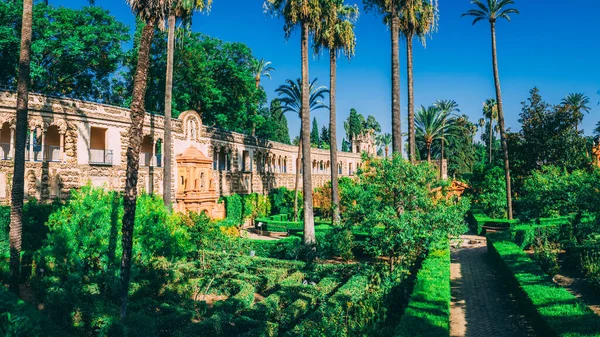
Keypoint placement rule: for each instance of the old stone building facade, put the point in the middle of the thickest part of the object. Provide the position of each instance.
(72, 143)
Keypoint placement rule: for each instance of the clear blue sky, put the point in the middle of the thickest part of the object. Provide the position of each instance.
(552, 44)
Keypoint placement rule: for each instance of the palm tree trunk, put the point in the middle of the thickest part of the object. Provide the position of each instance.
(166, 148)
(335, 202)
(396, 121)
(501, 122)
(257, 80)
(411, 100)
(491, 138)
(442, 158)
(133, 158)
(309, 225)
(428, 153)
(297, 178)
(386, 151)
(17, 194)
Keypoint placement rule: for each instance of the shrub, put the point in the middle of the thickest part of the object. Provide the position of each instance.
(234, 208)
(546, 254)
(282, 201)
(393, 199)
(489, 190)
(20, 319)
(558, 312)
(428, 310)
(338, 242)
(590, 265)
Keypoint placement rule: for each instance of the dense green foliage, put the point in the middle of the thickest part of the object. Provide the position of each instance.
(428, 310)
(487, 189)
(560, 312)
(210, 76)
(274, 126)
(75, 52)
(20, 319)
(392, 198)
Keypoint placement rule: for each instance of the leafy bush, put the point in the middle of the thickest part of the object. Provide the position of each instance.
(338, 242)
(394, 201)
(428, 310)
(256, 205)
(558, 311)
(282, 201)
(234, 208)
(590, 265)
(546, 254)
(20, 319)
(553, 192)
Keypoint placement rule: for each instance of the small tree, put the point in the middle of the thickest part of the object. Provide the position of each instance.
(395, 201)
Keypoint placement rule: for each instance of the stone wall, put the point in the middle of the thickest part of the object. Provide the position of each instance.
(241, 163)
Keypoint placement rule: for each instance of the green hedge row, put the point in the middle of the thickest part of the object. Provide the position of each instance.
(354, 309)
(555, 310)
(243, 298)
(477, 221)
(428, 310)
(285, 314)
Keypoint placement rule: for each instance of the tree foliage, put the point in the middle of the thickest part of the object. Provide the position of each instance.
(210, 76)
(75, 52)
(394, 200)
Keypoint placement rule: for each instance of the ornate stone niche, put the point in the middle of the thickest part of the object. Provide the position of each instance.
(196, 191)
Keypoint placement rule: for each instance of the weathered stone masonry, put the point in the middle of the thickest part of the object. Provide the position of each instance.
(72, 143)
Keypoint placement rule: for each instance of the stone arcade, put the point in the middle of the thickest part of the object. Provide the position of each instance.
(72, 143)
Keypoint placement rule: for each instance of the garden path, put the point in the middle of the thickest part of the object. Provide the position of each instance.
(482, 304)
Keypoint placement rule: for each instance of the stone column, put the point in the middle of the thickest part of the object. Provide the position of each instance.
(11, 151)
(43, 144)
(31, 144)
(61, 155)
(153, 158)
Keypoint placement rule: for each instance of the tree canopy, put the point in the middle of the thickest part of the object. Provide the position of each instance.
(75, 52)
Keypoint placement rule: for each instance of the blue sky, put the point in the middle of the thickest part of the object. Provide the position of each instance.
(552, 44)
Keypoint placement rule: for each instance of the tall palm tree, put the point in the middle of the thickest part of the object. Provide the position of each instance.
(430, 125)
(385, 140)
(448, 107)
(390, 9)
(490, 111)
(153, 14)
(492, 11)
(182, 9)
(290, 95)
(260, 68)
(337, 34)
(307, 15)
(578, 104)
(417, 18)
(17, 195)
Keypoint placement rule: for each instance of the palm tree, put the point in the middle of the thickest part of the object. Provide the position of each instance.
(494, 10)
(260, 68)
(390, 10)
(577, 103)
(305, 13)
(430, 125)
(17, 195)
(153, 14)
(448, 107)
(385, 140)
(417, 18)
(291, 99)
(490, 111)
(181, 9)
(337, 34)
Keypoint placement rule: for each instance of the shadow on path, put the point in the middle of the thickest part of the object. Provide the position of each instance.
(482, 304)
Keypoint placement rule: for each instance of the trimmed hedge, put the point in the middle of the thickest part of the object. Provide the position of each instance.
(342, 314)
(476, 222)
(428, 310)
(555, 310)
